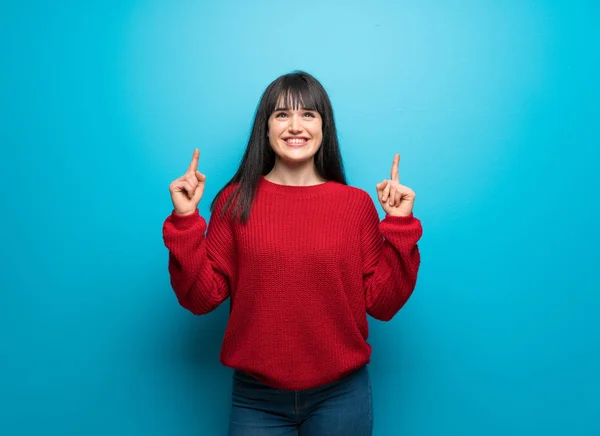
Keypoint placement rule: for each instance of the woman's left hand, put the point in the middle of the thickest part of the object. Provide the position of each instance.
(395, 199)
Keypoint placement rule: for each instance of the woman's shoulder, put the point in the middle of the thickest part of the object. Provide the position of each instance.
(354, 194)
(223, 196)
(353, 191)
(226, 191)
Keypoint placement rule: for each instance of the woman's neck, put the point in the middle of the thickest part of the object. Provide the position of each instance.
(304, 175)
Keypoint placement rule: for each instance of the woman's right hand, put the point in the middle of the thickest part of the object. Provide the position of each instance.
(187, 190)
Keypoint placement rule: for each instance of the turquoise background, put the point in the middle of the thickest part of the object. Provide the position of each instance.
(493, 107)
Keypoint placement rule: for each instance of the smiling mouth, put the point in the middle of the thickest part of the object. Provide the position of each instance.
(296, 142)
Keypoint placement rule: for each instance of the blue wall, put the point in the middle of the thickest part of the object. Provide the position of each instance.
(493, 107)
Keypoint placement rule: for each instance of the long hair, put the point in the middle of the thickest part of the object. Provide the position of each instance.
(298, 89)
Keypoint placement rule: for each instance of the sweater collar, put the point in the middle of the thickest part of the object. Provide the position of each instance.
(296, 191)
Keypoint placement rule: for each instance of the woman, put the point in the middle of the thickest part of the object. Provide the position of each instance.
(304, 258)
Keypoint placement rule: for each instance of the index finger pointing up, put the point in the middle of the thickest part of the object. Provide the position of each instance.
(194, 164)
(395, 173)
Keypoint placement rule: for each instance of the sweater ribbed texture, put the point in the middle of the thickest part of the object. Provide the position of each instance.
(302, 274)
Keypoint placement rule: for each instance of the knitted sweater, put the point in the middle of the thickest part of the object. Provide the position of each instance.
(302, 274)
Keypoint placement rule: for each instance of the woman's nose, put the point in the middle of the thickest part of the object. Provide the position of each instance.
(294, 125)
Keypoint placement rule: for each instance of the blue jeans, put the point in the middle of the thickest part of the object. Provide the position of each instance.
(341, 408)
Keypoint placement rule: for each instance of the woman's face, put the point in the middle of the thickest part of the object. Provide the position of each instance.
(295, 135)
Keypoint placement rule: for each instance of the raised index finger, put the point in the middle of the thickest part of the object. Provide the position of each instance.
(194, 164)
(395, 173)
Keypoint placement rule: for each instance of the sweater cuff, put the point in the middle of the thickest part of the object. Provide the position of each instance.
(183, 222)
(407, 226)
(399, 219)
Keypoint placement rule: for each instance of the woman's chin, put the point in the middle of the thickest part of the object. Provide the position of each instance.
(296, 160)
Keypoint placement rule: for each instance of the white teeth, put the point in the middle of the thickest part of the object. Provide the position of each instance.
(296, 141)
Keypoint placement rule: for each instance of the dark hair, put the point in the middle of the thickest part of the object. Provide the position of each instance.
(297, 89)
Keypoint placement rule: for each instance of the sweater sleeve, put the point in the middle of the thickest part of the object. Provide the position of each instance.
(390, 261)
(201, 267)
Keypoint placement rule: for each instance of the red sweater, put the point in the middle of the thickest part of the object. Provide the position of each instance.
(302, 274)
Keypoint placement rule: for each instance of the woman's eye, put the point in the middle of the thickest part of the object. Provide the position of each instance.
(280, 114)
(309, 114)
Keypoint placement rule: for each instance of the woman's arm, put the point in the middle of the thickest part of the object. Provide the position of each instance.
(201, 267)
(391, 261)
